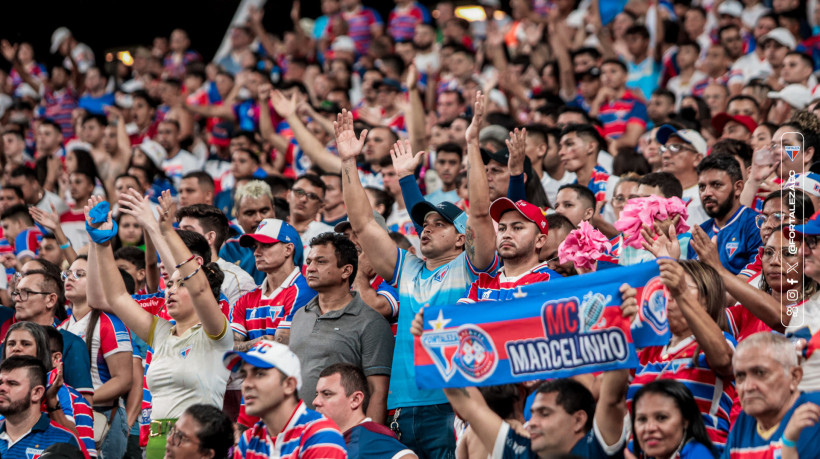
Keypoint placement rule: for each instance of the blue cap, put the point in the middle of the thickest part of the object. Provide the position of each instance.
(447, 210)
(271, 231)
(811, 227)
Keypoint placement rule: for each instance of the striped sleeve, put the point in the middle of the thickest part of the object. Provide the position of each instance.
(322, 440)
(114, 336)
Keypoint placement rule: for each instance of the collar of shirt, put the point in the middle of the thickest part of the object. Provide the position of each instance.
(41, 425)
(353, 307)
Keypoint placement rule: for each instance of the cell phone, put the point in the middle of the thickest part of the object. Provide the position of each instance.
(764, 157)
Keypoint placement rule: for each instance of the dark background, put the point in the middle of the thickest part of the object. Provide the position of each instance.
(110, 25)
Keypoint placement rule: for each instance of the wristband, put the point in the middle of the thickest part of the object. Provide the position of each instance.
(788, 443)
(65, 246)
(191, 275)
(55, 408)
(184, 262)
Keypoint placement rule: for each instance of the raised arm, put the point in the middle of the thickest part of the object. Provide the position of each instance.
(139, 207)
(517, 144)
(279, 142)
(707, 333)
(10, 53)
(318, 153)
(480, 231)
(116, 296)
(558, 34)
(375, 241)
(415, 118)
(224, 111)
(51, 222)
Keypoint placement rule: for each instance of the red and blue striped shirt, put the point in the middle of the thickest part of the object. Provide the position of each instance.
(498, 287)
(616, 114)
(307, 435)
(77, 409)
(254, 316)
(402, 21)
(359, 25)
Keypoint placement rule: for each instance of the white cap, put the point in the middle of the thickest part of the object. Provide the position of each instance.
(132, 85)
(796, 95)
(58, 37)
(343, 43)
(499, 99)
(690, 136)
(267, 354)
(780, 35)
(154, 151)
(808, 182)
(77, 144)
(731, 8)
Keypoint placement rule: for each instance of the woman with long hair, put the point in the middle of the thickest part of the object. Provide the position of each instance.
(666, 423)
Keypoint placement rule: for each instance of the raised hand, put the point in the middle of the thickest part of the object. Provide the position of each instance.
(294, 13)
(403, 159)
(92, 202)
(347, 144)
(517, 145)
(660, 243)
(255, 15)
(705, 248)
(49, 220)
(478, 116)
(417, 327)
(411, 82)
(284, 107)
(806, 415)
(629, 303)
(168, 210)
(133, 203)
(263, 92)
(672, 276)
(113, 112)
(9, 51)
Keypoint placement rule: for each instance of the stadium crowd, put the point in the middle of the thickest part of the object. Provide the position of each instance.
(232, 258)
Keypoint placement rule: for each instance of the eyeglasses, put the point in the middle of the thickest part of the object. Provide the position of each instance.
(176, 438)
(811, 241)
(620, 199)
(675, 148)
(76, 275)
(300, 193)
(24, 293)
(769, 253)
(763, 218)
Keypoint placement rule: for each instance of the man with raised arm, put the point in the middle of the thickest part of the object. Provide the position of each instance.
(456, 248)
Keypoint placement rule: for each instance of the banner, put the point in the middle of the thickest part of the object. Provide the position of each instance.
(553, 329)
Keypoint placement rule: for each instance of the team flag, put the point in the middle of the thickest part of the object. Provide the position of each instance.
(553, 329)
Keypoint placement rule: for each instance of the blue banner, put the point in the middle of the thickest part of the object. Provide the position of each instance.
(553, 329)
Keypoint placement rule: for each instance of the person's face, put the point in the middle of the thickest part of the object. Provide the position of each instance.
(251, 211)
(761, 138)
(775, 53)
(191, 193)
(575, 151)
(75, 289)
(732, 40)
(377, 145)
(458, 129)
(109, 140)
(636, 44)
(48, 138)
(715, 97)
(461, 65)
(330, 7)
(498, 179)
(30, 188)
(763, 384)
(743, 107)
(613, 76)
(448, 107)
(322, 272)
(623, 192)
(423, 37)
(131, 269)
(8, 198)
(406, 51)
(140, 175)
(13, 146)
(549, 253)
(179, 41)
(659, 425)
(737, 131)
(551, 159)
(270, 257)
(785, 137)
(177, 298)
(37, 303)
(776, 258)
(239, 142)
(693, 23)
(774, 212)
(447, 166)
(143, 113)
(717, 192)
(333, 194)
(242, 166)
(185, 431)
(391, 181)
(168, 137)
(93, 80)
(438, 236)
(567, 118)
(517, 238)
(652, 150)
(130, 231)
(550, 425)
(50, 251)
(333, 402)
(264, 389)
(570, 205)
(306, 200)
(677, 321)
(80, 187)
(659, 108)
(124, 184)
(12, 228)
(224, 84)
(386, 97)
(582, 62)
(20, 342)
(16, 391)
(687, 56)
(589, 87)
(239, 39)
(795, 70)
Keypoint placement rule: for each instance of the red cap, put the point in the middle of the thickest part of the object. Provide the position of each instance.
(720, 120)
(530, 211)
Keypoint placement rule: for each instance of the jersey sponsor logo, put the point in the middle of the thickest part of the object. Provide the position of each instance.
(731, 248)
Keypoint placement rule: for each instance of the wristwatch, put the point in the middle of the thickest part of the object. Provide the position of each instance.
(55, 408)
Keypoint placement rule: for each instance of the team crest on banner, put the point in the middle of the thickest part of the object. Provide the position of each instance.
(731, 248)
(652, 308)
(475, 357)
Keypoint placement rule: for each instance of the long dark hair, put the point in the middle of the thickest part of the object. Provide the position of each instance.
(695, 431)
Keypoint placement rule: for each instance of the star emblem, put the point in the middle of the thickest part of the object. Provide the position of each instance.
(440, 321)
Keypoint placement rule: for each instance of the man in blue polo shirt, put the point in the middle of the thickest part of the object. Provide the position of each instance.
(26, 431)
(720, 182)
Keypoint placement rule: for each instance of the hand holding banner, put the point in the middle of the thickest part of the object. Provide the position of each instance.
(554, 329)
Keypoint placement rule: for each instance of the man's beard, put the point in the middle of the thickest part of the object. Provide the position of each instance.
(723, 208)
(17, 406)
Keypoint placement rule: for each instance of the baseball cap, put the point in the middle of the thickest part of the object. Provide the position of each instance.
(494, 132)
(529, 211)
(389, 82)
(154, 151)
(343, 225)
(62, 451)
(267, 354)
(499, 99)
(690, 136)
(780, 35)
(731, 8)
(447, 210)
(594, 72)
(811, 227)
(221, 134)
(808, 182)
(502, 156)
(271, 231)
(58, 37)
(796, 95)
(720, 120)
(343, 43)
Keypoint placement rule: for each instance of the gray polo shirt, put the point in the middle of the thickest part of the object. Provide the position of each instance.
(356, 334)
